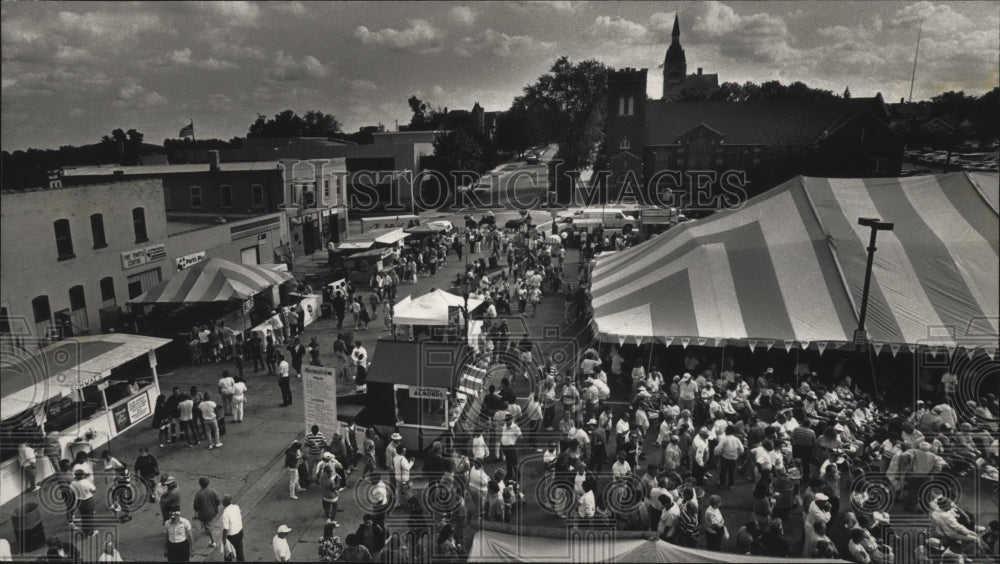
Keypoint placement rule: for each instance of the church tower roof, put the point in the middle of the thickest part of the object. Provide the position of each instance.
(677, 28)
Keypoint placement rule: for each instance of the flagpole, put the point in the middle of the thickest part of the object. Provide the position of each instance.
(194, 140)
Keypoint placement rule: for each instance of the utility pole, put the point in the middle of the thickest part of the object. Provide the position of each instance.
(876, 225)
(913, 76)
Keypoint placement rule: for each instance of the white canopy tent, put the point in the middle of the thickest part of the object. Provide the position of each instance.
(430, 309)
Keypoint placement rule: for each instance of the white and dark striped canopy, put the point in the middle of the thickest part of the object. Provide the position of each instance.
(788, 268)
(213, 280)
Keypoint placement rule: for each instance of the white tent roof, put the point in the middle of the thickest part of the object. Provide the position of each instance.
(430, 309)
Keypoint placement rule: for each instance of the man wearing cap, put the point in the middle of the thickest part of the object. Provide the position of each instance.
(391, 452)
(818, 512)
(282, 552)
(179, 539)
(945, 524)
(699, 456)
(687, 390)
(598, 439)
(232, 525)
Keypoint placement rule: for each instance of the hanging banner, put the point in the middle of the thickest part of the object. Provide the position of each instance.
(667, 341)
(621, 340)
(769, 345)
(638, 339)
(719, 341)
(933, 351)
(702, 341)
(789, 345)
(319, 391)
(990, 352)
(878, 348)
(685, 341)
(969, 352)
(752, 344)
(821, 346)
(894, 348)
(804, 345)
(950, 350)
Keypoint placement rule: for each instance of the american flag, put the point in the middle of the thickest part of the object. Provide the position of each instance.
(187, 130)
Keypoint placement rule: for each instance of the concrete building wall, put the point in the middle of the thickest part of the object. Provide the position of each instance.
(31, 266)
(228, 240)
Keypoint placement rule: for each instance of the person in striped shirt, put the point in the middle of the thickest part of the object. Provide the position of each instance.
(315, 444)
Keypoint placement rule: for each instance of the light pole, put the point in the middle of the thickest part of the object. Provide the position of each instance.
(876, 225)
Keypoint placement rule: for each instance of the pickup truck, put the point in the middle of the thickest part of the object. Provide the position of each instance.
(612, 218)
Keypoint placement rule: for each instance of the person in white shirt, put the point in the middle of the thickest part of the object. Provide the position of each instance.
(283, 381)
(401, 466)
(621, 469)
(178, 531)
(479, 448)
(586, 505)
(226, 391)
(232, 525)
(239, 399)
(360, 358)
(5, 554)
(508, 444)
(207, 408)
(110, 553)
(28, 462)
(282, 552)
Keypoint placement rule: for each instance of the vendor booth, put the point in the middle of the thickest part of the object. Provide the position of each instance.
(393, 239)
(360, 267)
(433, 313)
(211, 291)
(416, 378)
(80, 393)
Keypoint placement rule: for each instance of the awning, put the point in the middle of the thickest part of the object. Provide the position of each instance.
(391, 238)
(490, 546)
(430, 309)
(356, 246)
(430, 364)
(213, 280)
(788, 268)
(425, 230)
(32, 379)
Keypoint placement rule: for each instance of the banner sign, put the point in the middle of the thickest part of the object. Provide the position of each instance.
(428, 393)
(139, 257)
(188, 260)
(319, 388)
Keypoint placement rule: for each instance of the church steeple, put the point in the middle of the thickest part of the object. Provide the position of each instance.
(675, 63)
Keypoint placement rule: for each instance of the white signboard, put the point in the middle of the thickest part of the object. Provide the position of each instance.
(138, 407)
(428, 393)
(188, 260)
(319, 386)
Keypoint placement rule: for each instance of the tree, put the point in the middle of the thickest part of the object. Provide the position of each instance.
(290, 124)
(847, 93)
(517, 130)
(425, 117)
(770, 90)
(568, 103)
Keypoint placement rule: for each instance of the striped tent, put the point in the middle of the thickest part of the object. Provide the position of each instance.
(213, 280)
(788, 269)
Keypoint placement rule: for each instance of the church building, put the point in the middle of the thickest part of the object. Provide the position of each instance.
(766, 142)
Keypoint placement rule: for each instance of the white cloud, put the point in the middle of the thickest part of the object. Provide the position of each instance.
(562, 6)
(183, 57)
(500, 44)
(420, 36)
(110, 25)
(295, 8)
(362, 85)
(617, 29)
(233, 13)
(757, 37)
(133, 95)
(234, 50)
(464, 15)
(286, 67)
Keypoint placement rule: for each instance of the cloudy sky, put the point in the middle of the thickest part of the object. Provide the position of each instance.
(72, 71)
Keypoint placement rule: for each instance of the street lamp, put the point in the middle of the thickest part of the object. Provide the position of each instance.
(876, 225)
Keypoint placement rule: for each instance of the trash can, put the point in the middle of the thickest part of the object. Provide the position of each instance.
(29, 532)
(784, 489)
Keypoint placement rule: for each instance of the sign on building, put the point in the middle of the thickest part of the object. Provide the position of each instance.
(428, 393)
(144, 255)
(188, 260)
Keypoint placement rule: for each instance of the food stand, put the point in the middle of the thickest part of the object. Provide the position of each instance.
(361, 267)
(416, 378)
(82, 391)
